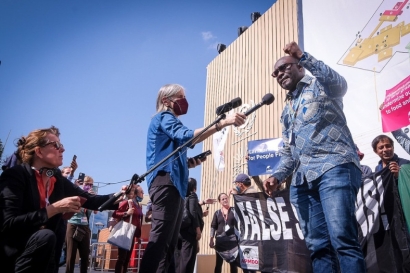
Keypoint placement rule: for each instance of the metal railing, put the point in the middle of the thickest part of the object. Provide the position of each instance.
(101, 253)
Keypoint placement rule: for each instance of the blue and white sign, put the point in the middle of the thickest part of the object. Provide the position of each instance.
(264, 155)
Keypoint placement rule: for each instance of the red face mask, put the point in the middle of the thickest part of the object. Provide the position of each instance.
(180, 106)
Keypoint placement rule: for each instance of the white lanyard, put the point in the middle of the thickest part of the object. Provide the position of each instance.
(47, 190)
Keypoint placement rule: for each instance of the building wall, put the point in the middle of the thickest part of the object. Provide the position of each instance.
(244, 70)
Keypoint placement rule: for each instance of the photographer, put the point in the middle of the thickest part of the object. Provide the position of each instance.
(33, 198)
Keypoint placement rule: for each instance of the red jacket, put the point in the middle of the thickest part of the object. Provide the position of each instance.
(136, 217)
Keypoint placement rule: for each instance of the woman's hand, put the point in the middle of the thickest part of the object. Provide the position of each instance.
(122, 196)
(209, 201)
(236, 119)
(68, 204)
(192, 162)
(211, 243)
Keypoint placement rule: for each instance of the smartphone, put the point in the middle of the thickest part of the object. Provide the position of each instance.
(74, 157)
(81, 177)
(95, 189)
(201, 156)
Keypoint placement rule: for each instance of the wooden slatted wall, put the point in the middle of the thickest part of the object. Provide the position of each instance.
(244, 70)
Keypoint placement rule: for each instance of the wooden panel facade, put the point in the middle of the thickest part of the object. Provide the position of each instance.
(244, 70)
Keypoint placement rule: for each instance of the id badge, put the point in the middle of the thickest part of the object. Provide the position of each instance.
(227, 227)
(84, 219)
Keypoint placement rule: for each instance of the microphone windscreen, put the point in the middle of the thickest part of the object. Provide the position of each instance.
(268, 99)
(236, 102)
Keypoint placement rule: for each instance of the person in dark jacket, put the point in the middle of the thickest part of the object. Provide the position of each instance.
(383, 146)
(187, 247)
(33, 198)
(223, 229)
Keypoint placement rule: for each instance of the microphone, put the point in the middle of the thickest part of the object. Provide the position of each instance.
(135, 179)
(267, 99)
(228, 106)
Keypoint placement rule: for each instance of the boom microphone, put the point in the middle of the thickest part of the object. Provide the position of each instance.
(229, 106)
(267, 99)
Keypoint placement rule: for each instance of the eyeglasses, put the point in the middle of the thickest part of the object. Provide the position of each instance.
(57, 145)
(282, 68)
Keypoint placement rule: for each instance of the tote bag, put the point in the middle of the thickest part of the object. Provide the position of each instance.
(122, 234)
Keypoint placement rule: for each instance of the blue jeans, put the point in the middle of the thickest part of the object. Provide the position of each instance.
(326, 210)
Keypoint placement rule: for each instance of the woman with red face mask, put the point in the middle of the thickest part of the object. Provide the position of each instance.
(168, 183)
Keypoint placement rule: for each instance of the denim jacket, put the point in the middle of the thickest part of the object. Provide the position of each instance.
(165, 134)
(314, 129)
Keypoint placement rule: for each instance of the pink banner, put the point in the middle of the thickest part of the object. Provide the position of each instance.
(396, 108)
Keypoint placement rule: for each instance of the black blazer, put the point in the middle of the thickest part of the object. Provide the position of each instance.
(20, 212)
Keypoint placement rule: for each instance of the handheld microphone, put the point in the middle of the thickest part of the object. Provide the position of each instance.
(267, 99)
(135, 178)
(228, 106)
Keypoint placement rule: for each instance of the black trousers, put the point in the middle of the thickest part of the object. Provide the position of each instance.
(167, 207)
(60, 240)
(123, 260)
(185, 253)
(219, 262)
(38, 256)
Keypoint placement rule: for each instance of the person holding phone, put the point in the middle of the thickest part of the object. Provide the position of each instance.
(79, 223)
(68, 171)
(33, 198)
(168, 184)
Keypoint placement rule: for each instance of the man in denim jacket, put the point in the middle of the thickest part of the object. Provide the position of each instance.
(320, 154)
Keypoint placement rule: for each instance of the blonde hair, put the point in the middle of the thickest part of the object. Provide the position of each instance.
(167, 91)
(64, 168)
(88, 179)
(37, 138)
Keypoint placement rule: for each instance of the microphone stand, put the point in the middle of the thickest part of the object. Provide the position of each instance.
(138, 179)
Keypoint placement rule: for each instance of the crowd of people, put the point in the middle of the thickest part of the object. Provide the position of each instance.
(42, 208)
